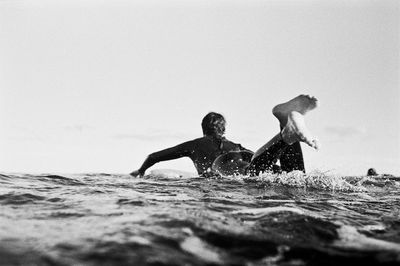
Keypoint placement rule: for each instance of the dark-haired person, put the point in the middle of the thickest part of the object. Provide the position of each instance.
(205, 150)
(202, 151)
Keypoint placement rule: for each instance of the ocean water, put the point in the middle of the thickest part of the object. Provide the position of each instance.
(174, 218)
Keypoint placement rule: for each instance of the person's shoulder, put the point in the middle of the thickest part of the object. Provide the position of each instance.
(198, 139)
(237, 146)
(230, 145)
(201, 141)
(231, 142)
(194, 141)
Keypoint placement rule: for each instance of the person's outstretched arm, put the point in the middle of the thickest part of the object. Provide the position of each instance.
(181, 150)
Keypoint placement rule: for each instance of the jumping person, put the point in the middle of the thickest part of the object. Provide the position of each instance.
(205, 150)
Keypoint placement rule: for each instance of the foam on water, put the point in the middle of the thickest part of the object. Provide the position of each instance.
(315, 180)
(171, 174)
(269, 210)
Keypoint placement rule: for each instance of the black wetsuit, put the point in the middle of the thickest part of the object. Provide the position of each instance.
(290, 158)
(202, 151)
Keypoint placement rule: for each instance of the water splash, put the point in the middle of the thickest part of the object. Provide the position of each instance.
(316, 180)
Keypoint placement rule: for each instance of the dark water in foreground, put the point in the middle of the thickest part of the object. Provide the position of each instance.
(101, 219)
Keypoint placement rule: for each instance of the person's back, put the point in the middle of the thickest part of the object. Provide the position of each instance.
(207, 149)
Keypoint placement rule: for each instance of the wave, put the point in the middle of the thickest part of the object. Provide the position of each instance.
(271, 219)
(62, 180)
(20, 198)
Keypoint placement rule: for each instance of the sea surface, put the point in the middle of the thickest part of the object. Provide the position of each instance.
(176, 218)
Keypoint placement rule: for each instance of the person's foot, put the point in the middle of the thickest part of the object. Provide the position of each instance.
(301, 104)
(296, 130)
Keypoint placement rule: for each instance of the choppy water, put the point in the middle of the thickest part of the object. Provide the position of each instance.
(290, 219)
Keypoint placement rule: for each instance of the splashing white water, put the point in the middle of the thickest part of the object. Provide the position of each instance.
(312, 180)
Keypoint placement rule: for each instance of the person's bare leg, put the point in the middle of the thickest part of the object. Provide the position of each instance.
(266, 146)
(285, 145)
(294, 131)
(292, 157)
(301, 104)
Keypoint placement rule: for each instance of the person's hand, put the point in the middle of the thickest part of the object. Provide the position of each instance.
(136, 173)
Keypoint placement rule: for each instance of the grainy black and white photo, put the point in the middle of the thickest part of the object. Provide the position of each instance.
(199, 132)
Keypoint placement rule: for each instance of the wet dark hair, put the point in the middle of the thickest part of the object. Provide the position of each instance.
(371, 172)
(213, 124)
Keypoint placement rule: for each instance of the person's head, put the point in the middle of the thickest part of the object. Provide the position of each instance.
(213, 124)
(371, 172)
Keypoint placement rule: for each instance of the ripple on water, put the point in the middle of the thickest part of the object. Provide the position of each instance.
(287, 219)
(20, 198)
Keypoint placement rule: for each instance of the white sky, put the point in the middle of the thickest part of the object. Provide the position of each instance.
(95, 86)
